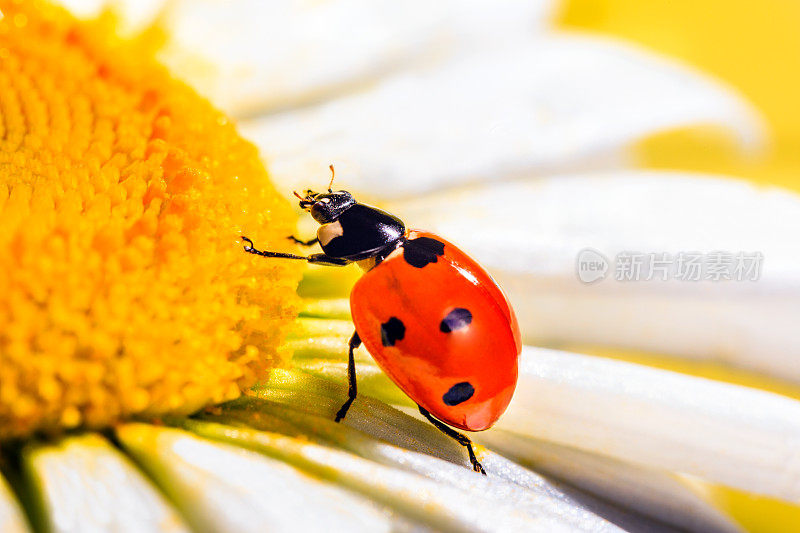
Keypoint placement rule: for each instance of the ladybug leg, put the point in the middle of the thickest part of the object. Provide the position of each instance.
(458, 437)
(301, 242)
(355, 342)
(319, 259)
(322, 259)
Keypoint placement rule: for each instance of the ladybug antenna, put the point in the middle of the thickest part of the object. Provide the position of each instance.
(298, 195)
(333, 175)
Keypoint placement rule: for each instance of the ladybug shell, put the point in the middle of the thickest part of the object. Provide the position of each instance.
(439, 326)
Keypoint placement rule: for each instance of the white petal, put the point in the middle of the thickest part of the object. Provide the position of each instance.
(529, 235)
(651, 492)
(732, 435)
(506, 483)
(509, 110)
(251, 55)
(226, 488)
(298, 392)
(11, 517)
(85, 484)
(436, 505)
(648, 492)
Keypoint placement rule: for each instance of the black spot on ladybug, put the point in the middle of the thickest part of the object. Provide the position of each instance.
(392, 330)
(456, 319)
(422, 251)
(458, 393)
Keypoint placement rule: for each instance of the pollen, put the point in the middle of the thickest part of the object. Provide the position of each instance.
(124, 290)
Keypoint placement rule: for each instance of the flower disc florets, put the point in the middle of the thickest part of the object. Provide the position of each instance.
(123, 288)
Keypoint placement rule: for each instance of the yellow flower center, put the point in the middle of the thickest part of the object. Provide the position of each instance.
(123, 288)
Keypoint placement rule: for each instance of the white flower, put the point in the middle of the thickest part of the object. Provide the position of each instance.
(478, 121)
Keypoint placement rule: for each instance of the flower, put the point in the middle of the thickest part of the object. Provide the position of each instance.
(478, 123)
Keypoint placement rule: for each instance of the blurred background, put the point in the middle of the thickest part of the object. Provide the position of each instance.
(752, 46)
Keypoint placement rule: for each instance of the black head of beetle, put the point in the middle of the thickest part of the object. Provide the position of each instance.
(326, 207)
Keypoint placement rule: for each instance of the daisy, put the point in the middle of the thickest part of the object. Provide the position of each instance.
(154, 377)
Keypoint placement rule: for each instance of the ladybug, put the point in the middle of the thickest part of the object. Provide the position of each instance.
(432, 318)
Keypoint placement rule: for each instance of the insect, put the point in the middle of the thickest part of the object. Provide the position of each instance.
(431, 317)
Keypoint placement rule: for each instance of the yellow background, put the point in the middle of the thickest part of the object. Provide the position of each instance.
(754, 46)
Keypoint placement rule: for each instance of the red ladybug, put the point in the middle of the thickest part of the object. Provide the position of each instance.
(432, 318)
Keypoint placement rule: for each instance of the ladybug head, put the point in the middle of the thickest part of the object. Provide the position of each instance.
(328, 206)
